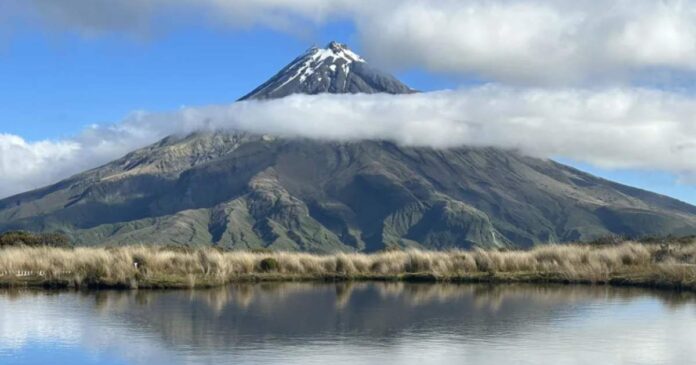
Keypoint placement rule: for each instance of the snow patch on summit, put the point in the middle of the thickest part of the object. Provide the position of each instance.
(333, 68)
(335, 53)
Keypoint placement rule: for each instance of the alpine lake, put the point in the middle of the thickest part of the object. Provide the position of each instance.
(350, 323)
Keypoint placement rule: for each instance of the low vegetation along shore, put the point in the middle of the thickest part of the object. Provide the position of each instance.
(649, 265)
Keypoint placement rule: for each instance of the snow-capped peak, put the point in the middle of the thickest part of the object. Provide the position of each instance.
(334, 55)
(335, 51)
(333, 69)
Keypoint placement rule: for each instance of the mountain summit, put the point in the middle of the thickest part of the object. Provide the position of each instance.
(239, 190)
(333, 69)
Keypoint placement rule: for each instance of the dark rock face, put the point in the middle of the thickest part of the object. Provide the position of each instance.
(240, 190)
(334, 69)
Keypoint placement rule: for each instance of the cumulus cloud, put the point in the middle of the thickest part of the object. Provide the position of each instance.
(537, 42)
(25, 165)
(514, 41)
(613, 128)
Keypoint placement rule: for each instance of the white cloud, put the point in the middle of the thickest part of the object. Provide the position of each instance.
(614, 128)
(24, 165)
(65, 321)
(28, 165)
(537, 42)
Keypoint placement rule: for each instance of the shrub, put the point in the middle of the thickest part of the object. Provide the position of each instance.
(54, 240)
(22, 238)
(391, 248)
(176, 248)
(268, 264)
(261, 250)
(670, 239)
(608, 240)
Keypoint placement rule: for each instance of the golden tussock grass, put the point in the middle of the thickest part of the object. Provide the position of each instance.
(148, 266)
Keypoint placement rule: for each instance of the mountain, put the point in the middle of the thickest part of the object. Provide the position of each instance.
(241, 190)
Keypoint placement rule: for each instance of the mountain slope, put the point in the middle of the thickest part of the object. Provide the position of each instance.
(241, 190)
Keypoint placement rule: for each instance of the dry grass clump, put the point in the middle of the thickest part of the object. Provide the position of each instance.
(147, 266)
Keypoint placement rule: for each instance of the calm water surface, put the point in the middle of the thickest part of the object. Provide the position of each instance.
(381, 323)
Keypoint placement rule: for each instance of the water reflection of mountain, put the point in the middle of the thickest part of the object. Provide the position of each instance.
(293, 313)
(332, 323)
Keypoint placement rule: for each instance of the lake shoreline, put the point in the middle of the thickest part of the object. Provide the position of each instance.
(150, 267)
(53, 284)
(636, 281)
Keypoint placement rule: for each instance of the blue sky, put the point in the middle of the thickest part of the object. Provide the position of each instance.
(79, 81)
(58, 80)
